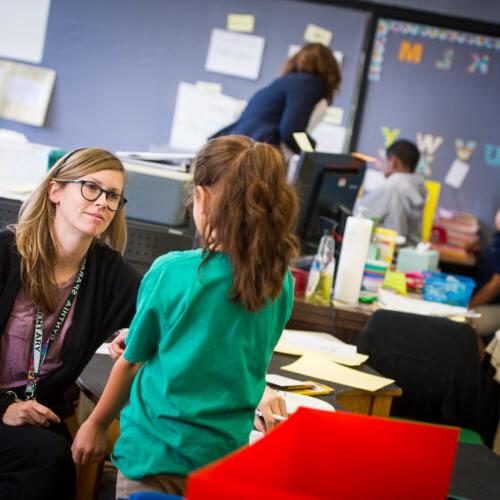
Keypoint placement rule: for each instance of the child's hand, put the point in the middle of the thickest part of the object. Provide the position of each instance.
(90, 444)
(271, 403)
(117, 346)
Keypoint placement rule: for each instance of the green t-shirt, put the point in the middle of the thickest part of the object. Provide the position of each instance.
(205, 360)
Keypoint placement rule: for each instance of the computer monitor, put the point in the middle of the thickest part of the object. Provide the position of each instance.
(327, 185)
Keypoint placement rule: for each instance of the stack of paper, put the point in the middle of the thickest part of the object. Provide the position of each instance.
(298, 342)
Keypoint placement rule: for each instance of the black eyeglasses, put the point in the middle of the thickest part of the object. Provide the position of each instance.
(91, 192)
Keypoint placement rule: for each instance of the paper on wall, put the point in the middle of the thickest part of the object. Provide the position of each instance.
(235, 54)
(334, 115)
(318, 367)
(329, 138)
(212, 86)
(293, 49)
(22, 167)
(241, 22)
(23, 25)
(198, 114)
(317, 34)
(26, 92)
(457, 174)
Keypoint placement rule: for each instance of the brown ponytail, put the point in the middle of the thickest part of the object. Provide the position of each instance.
(252, 217)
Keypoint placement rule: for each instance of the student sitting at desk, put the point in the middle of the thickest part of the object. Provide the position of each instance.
(486, 298)
(398, 203)
(308, 83)
(64, 282)
(206, 325)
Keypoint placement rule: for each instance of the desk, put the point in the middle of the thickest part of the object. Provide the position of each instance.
(96, 373)
(477, 469)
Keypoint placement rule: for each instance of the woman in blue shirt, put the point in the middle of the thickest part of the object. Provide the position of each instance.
(285, 106)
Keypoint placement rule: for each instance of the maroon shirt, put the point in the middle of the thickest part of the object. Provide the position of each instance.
(16, 343)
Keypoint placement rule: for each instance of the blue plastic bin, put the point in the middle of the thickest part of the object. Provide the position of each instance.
(448, 288)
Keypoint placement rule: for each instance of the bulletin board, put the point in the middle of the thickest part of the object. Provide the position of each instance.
(439, 88)
(119, 64)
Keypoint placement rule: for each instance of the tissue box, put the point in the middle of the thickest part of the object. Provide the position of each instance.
(412, 261)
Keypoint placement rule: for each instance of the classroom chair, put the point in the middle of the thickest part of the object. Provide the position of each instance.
(434, 360)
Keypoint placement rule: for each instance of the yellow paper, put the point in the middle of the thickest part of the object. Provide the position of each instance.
(433, 190)
(395, 281)
(211, 86)
(303, 142)
(244, 23)
(293, 350)
(316, 34)
(334, 115)
(315, 366)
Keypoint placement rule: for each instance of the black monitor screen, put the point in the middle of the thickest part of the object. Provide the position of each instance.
(327, 185)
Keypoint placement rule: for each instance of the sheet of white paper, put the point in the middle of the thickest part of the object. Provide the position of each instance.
(22, 167)
(235, 54)
(103, 349)
(373, 179)
(26, 92)
(280, 381)
(23, 25)
(323, 342)
(200, 113)
(329, 138)
(293, 49)
(457, 173)
(394, 302)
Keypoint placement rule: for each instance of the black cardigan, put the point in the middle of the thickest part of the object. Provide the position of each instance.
(106, 302)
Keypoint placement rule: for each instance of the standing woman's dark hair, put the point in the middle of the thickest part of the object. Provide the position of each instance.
(253, 215)
(316, 59)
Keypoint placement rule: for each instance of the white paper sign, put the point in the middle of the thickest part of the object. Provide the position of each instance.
(457, 173)
(23, 24)
(25, 92)
(329, 138)
(235, 54)
(199, 113)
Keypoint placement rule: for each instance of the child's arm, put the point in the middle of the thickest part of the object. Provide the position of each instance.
(90, 443)
(487, 293)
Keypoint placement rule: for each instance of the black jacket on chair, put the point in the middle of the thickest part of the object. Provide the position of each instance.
(434, 360)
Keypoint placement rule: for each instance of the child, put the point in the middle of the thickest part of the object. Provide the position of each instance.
(486, 298)
(206, 324)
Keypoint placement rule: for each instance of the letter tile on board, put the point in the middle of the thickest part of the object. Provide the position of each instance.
(411, 52)
(492, 155)
(390, 135)
(480, 63)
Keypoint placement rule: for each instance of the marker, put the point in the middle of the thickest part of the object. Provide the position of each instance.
(278, 418)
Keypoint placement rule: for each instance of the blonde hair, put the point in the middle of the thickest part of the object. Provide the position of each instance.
(253, 216)
(34, 231)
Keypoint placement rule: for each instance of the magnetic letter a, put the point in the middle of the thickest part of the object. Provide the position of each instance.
(410, 52)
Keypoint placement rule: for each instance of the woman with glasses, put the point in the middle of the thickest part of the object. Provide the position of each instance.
(64, 289)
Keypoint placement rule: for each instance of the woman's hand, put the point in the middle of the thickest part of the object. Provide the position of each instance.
(29, 413)
(90, 443)
(271, 403)
(117, 346)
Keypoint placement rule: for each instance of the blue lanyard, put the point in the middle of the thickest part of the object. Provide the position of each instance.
(41, 347)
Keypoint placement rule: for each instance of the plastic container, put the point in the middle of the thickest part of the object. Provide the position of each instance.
(448, 288)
